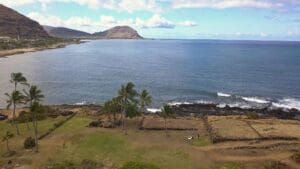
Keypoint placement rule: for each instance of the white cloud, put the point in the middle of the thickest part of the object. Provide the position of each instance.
(45, 20)
(157, 21)
(120, 5)
(222, 4)
(104, 22)
(188, 23)
(12, 3)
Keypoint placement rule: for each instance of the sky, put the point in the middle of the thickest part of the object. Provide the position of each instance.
(172, 19)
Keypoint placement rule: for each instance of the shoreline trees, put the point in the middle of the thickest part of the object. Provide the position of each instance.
(33, 96)
(166, 112)
(128, 103)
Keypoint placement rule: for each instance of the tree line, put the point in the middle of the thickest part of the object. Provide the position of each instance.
(31, 96)
(128, 103)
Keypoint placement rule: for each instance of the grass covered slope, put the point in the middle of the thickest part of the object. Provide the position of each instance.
(74, 142)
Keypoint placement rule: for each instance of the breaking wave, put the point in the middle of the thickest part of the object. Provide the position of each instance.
(256, 100)
(223, 94)
(153, 110)
(81, 103)
(287, 103)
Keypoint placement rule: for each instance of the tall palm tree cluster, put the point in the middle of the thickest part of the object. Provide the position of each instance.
(30, 95)
(128, 103)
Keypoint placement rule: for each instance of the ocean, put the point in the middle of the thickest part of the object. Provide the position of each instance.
(235, 73)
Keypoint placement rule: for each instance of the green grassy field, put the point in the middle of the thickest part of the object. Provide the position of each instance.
(74, 142)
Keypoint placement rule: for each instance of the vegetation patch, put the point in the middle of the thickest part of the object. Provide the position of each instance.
(138, 165)
(29, 143)
(230, 165)
(275, 165)
(201, 141)
(296, 157)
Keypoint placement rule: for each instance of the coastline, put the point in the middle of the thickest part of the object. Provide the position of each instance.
(196, 110)
(10, 52)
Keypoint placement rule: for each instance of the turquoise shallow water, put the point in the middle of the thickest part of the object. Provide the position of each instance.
(238, 73)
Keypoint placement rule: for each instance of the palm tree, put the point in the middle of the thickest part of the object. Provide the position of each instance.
(127, 95)
(166, 112)
(35, 109)
(18, 78)
(15, 99)
(112, 107)
(6, 138)
(33, 95)
(144, 100)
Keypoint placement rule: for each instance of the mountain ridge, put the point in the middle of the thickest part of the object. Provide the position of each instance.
(117, 32)
(15, 25)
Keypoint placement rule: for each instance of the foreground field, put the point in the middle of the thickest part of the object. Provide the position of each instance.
(75, 141)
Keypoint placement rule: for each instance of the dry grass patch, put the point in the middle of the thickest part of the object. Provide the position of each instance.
(157, 123)
(277, 129)
(230, 128)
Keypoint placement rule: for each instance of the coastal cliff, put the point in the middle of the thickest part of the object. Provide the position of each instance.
(16, 25)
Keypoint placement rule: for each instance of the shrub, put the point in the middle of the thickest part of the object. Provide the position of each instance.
(85, 164)
(296, 157)
(230, 165)
(275, 165)
(24, 117)
(27, 117)
(138, 165)
(252, 115)
(63, 165)
(89, 164)
(29, 143)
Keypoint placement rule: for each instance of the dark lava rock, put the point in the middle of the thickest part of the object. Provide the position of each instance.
(66, 113)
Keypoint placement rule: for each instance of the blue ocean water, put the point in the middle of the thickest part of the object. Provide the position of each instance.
(238, 73)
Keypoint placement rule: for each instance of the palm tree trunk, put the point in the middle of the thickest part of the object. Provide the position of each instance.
(8, 149)
(13, 120)
(28, 128)
(114, 117)
(166, 129)
(36, 136)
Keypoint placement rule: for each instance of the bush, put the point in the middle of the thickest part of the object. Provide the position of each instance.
(89, 164)
(29, 143)
(275, 165)
(138, 165)
(252, 115)
(230, 165)
(85, 164)
(27, 117)
(24, 117)
(63, 165)
(296, 157)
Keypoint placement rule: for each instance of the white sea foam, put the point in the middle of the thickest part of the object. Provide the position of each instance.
(239, 105)
(223, 94)
(153, 110)
(221, 105)
(255, 99)
(203, 102)
(288, 103)
(178, 103)
(81, 103)
(233, 105)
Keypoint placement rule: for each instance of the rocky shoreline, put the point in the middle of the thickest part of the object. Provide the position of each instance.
(213, 109)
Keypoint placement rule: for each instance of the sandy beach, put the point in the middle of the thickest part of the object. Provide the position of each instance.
(5, 53)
